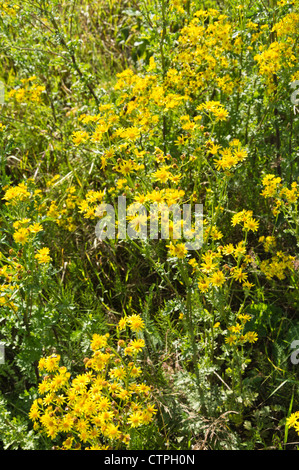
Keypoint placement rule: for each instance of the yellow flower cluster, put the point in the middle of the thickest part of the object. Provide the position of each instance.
(178, 5)
(15, 194)
(277, 265)
(288, 25)
(271, 185)
(212, 274)
(203, 56)
(25, 225)
(282, 196)
(89, 204)
(79, 137)
(178, 250)
(29, 92)
(273, 59)
(268, 242)
(43, 256)
(11, 272)
(230, 157)
(245, 217)
(8, 9)
(236, 335)
(64, 216)
(214, 108)
(99, 408)
(25, 231)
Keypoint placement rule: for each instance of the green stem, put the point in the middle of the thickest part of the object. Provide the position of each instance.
(190, 325)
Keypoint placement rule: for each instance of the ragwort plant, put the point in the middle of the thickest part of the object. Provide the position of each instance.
(201, 118)
(102, 408)
(159, 109)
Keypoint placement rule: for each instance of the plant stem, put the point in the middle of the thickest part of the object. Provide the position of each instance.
(190, 325)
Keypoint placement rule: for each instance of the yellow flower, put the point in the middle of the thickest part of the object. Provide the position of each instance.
(21, 236)
(122, 323)
(67, 444)
(35, 228)
(221, 114)
(34, 413)
(239, 274)
(251, 336)
(43, 387)
(117, 372)
(203, 285)
(79, 137)
(292, 420)
(112, 431)
(101, 403)
(247, 285)
(99, 341)
(251, 224)
(217, 278)
(240, 249)
(228, 249)
(42, 363)
(178, 250)
(162, 175)
(235, 328)
(50, 363)
(230, 339)
(66, 423)
(135, 419)
(208, 266)
(135, 322)
(244, 317)
(135, 346)
(43, 256)
(130, 133)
